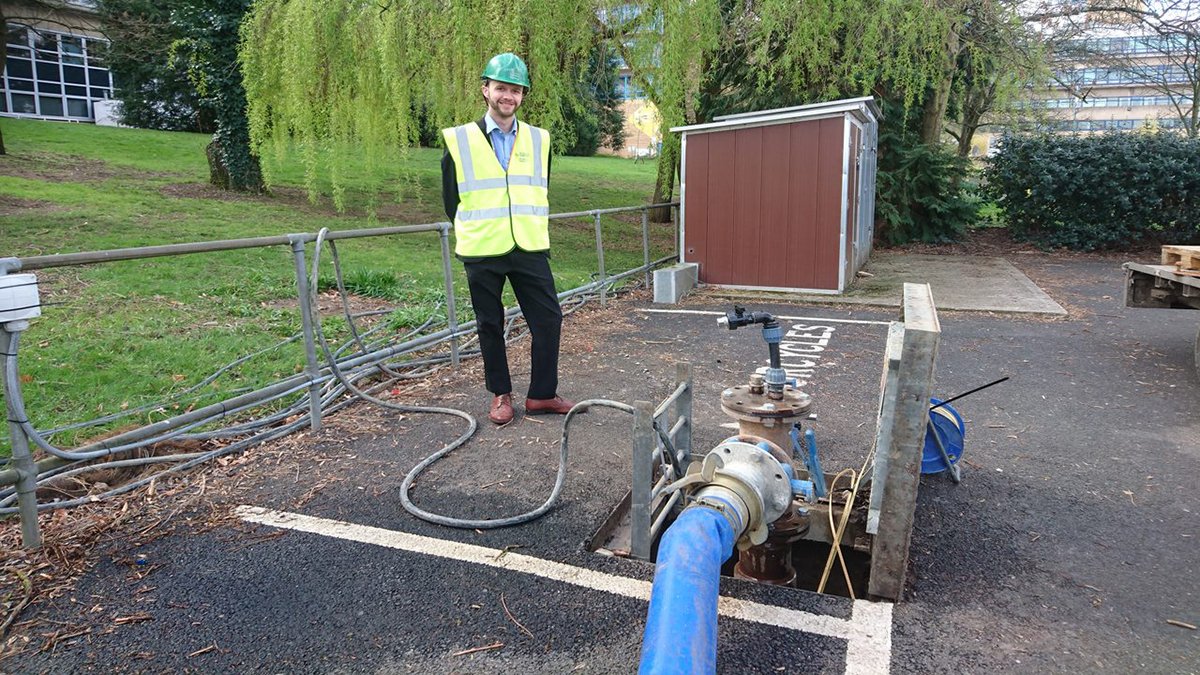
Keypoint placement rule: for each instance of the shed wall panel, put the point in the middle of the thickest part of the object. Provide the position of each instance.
(827, 261)
(776, 204)
(720, 209)
(746, 226)
(695, 202)
(802, 198)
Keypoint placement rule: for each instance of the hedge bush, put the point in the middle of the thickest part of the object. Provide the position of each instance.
(1102, 191)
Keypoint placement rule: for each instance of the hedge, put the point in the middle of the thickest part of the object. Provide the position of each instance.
(1102, 191)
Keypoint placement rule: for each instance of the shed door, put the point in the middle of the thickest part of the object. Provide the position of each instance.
(852, 207)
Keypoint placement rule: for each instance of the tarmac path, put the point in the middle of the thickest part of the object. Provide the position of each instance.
(1068, 546)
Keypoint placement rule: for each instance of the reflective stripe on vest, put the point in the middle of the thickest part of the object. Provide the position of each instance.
(498, 211)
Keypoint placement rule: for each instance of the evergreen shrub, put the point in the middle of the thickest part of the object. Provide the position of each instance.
(1094, 192)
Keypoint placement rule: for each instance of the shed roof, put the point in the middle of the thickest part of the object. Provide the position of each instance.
(863, 107)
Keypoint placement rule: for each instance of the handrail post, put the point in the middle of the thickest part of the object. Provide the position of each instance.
(306, 323)
(600, 257)
(22, 460)
(646, 244)
(448, 277)
(644, 442)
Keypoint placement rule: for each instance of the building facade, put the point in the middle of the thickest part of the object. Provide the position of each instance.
(54, 64)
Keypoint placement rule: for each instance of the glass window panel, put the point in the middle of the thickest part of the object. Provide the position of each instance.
(20, 68)
(100, 93)
(77, 60)
(73, 75)
(17, 51)
(95, 52)
(46, 41)
(49, 88)
(20, 85)
(72, 44)
(52, 106)
(3, 104)
(76, 90)
(48, 72)
(23, 103)
(78, 107)
(50, 57)
(98, 77)
(17, 35)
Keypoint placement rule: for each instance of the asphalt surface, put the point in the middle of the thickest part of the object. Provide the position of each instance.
(1068, 546)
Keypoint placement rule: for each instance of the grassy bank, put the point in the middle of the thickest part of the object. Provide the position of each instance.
(120, 335)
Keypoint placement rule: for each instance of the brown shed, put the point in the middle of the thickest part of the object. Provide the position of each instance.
(781, 199)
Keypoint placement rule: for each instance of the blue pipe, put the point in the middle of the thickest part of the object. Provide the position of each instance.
(681, 627)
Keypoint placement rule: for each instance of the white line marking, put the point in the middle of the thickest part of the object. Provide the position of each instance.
(868, 632)
(809, 319)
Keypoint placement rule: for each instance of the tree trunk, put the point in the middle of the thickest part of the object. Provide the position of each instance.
(220, 175)
(664, 184)
(934, 112)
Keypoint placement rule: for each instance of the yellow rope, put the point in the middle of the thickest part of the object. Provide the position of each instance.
(839, 530)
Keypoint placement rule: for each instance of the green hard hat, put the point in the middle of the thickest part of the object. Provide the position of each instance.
(507, 67)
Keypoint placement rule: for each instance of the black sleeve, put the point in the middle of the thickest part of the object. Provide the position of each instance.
(549, 164)
(449, 185)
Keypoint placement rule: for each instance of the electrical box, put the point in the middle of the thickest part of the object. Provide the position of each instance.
(19, 297)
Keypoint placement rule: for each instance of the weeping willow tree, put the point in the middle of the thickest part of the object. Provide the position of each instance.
(347, 80)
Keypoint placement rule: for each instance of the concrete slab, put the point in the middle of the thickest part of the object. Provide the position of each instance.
(978, 283)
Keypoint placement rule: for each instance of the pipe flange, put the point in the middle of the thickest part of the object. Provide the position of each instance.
(756, 478)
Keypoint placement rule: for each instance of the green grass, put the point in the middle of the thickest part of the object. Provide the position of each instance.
(125, 334)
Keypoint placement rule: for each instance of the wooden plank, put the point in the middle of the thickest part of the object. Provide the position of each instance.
(886, 421)
(1186, 258)
(889, 552)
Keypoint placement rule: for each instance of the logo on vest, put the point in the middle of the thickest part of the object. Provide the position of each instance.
(521, 155)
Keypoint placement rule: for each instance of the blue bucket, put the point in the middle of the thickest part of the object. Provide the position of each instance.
(949, 427)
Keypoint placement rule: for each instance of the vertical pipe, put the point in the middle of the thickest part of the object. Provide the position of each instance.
(306, 322)
(644, 443)
(683, 410)
(646, 244)
(600, 258)
(22, 460)
(451, 312)
(681, 624)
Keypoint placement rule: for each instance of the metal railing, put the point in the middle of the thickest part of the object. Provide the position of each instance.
(24, 473)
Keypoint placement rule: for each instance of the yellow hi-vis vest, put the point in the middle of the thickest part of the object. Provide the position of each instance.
(498, 211)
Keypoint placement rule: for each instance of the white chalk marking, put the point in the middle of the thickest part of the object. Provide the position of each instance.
(809, 319)
(868, 632)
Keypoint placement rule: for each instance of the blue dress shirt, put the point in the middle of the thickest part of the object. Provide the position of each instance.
(502, 143)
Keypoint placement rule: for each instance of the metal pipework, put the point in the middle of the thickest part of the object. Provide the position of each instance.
(744, 482)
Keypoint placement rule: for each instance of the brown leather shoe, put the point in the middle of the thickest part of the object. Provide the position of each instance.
(548, 406)
(502, 410)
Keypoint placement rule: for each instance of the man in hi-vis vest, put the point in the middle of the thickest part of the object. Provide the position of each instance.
(495, 177)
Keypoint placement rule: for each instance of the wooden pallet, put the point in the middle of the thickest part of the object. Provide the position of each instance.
(1184, 258)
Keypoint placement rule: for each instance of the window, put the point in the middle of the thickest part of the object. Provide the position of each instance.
(53, 74)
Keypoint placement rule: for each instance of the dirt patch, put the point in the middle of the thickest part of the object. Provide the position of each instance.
(14, 206)
(67, 168)
(409, 211)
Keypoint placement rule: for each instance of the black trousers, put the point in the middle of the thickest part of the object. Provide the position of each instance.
(533, 284)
